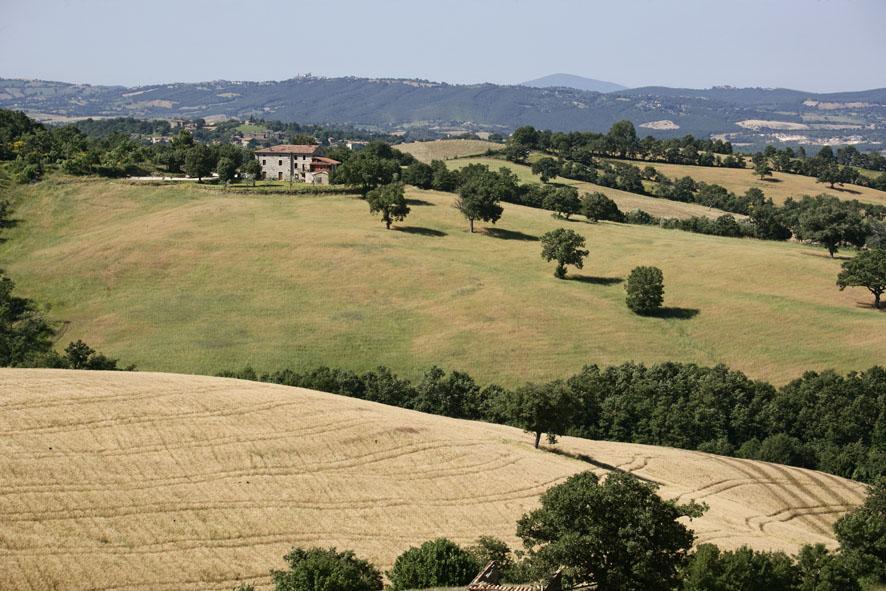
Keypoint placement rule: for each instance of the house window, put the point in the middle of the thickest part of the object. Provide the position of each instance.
(279, 163)
(263, 162)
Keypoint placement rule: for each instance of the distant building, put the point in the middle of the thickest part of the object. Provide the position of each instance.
(303, 163)
(355, 145)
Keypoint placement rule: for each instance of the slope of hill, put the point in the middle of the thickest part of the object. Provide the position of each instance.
(858, 118)
(169, 482)
(779, 186)
(663, 208)
(178, 278)
(447, 149)
(572, 81)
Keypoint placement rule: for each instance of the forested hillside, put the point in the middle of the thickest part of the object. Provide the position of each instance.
(754, 116)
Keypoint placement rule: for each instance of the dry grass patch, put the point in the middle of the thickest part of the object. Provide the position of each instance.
(779, 186)
(626, 201)
(170, 482)
(447, 149)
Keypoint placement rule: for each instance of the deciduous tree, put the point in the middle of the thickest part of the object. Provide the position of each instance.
(866, 269)
(547, 168)
(389, 201)
(645, 287)
(541, 409)
(564, 246)
(322, 569)
(618, 535)
(563, 201)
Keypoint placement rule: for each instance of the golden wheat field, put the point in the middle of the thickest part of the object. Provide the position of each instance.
(447, 149)
(115, 481)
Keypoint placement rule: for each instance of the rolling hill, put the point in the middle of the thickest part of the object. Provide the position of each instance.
(572, 81)
(403, 104)
(198, 280)
(626, 201)
(129, 481)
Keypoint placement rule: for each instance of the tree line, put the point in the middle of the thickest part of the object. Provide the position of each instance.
(822, 420)
(615, 534)
(622, 141)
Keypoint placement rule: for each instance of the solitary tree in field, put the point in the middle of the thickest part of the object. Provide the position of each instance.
(762, 168)
(389, 201)
(541, 409)
(614, 535)
(565, 247)
(478, 199)
(563, 201)
(547, 168)
(645, 287)
(866, 269)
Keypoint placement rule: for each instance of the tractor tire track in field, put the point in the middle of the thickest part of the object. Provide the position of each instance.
(127, 481)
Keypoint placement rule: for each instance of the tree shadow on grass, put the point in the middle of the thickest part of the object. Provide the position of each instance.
(771, 180)
(509, 234)
(675, 313)
(595, 280)
(824, 254)
(421, 231)
(418, 202)
(588, 459)
(845, 190)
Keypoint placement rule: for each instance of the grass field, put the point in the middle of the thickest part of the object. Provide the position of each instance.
(626, 201)
(177, 278)
(131, 481)
(447, 149)
(778, 187)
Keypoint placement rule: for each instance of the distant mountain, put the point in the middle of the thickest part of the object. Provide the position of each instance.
(419, 108)
(571, 81)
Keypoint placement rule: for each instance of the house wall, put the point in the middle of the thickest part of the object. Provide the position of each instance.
(295, 164)
(273, 164)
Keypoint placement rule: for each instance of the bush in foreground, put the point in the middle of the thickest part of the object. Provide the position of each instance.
(436, 563)
(618, 534)
(322, 569)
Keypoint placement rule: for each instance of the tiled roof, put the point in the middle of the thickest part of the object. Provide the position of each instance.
(324, 160)
(306, 149)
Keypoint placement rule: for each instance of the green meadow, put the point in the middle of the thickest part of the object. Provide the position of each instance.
(187, 279)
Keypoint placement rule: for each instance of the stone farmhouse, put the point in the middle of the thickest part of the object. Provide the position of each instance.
(303, 163)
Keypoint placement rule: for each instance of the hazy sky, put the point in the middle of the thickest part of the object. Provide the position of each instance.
(816, 45)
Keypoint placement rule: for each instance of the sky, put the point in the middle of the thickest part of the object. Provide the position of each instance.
(812, 45)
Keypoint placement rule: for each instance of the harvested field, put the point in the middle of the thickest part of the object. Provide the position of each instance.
(171, 482)
(447, 149)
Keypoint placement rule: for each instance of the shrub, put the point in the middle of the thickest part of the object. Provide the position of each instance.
(436, 563)
(862, 534)
(645, 289)
(321, 569)
(618, 534)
